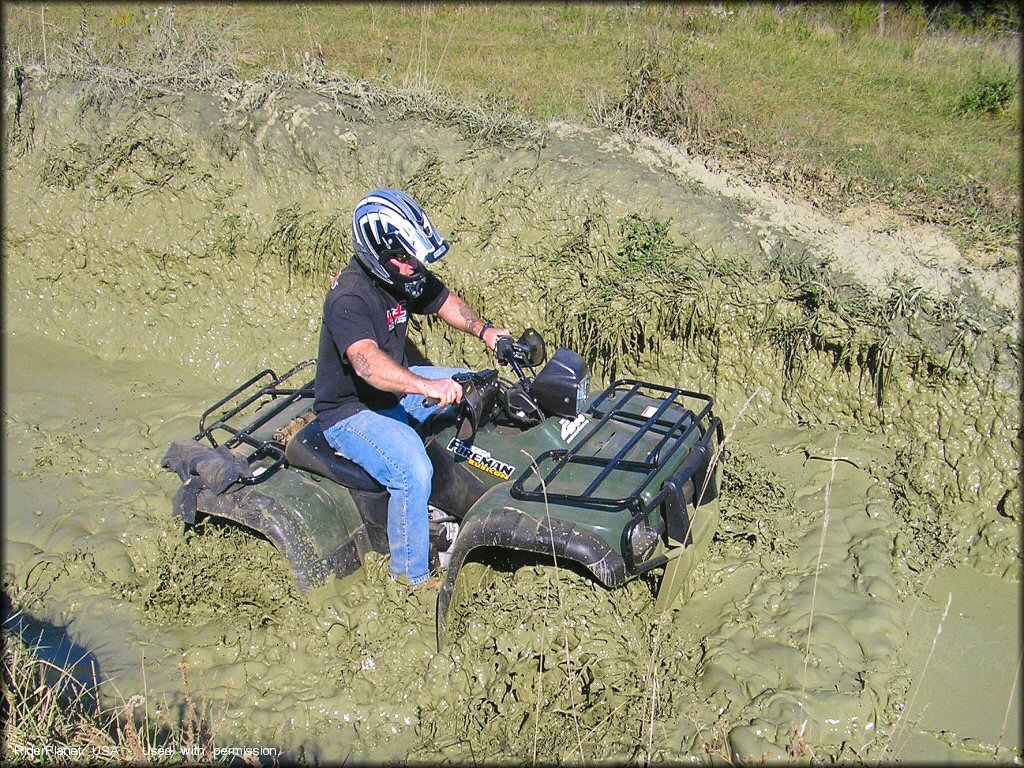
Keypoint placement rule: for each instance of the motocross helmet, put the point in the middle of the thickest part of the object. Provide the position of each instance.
(388, 224)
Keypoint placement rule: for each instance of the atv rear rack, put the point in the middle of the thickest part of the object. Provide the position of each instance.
(676, 425)
(265, 385)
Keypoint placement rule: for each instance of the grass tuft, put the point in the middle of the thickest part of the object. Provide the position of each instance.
(306, 244)
(51, 718)
(660, 97)
(990, 94)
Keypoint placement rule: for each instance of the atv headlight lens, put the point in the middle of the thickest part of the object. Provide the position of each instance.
(561, 386)
(581, 392)
(642, 541)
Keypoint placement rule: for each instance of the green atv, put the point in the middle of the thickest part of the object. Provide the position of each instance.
(618, 483)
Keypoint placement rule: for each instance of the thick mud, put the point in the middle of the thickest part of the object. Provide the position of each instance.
(860, 600)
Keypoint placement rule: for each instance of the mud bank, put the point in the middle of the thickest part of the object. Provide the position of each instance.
(156, 255)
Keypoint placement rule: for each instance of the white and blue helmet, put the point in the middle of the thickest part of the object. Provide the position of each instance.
(388, 224)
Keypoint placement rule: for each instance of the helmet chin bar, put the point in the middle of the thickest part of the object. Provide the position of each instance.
(413, 285)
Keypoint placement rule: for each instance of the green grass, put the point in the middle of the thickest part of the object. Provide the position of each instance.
(814, 97)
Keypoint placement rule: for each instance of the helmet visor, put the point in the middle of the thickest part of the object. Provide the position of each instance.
(424, 244)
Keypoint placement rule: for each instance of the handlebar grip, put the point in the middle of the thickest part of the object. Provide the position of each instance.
(503, 347)
(430, 401)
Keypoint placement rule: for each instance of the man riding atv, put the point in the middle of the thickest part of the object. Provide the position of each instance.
(366, 397)
(517, 465)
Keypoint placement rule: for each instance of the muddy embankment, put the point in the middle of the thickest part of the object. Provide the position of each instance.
(158, 254)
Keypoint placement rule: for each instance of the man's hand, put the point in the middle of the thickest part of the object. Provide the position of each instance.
(445, 391)
(491, 336)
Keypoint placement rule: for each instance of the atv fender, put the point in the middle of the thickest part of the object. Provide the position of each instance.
(290, 534)
(509, 528)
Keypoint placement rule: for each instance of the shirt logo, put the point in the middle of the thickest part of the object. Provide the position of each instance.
(396, 315)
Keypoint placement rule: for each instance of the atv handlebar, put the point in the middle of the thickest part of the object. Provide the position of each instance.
(503, 348)
(528, 350)
(481, 388)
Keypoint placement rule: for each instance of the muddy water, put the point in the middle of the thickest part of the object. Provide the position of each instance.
(830, 619)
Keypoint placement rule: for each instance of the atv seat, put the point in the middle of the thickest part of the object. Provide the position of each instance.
(309, 450)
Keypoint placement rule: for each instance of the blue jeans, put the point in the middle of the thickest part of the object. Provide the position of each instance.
(391, 451)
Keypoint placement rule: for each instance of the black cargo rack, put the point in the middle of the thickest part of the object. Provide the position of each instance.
(676, 431)
(264, 385)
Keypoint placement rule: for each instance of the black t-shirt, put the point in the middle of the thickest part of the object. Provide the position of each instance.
(359, 307)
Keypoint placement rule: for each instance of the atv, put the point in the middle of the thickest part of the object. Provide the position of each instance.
(619, 483)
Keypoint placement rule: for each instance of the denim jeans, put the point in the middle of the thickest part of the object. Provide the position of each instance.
(391, 451)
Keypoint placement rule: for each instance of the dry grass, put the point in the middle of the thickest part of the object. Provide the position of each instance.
(801, 734)
(137, 54)
(1009, 704)
(901, 722)
(51, 717)
(565, 632)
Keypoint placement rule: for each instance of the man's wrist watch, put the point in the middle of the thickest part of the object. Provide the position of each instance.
(484, 330)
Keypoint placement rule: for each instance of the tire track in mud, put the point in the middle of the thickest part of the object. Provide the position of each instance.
(178, 286)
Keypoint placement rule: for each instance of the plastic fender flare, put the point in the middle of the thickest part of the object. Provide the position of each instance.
(266, 516)
(509, 528)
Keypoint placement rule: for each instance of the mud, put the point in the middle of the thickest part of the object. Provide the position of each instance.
(155, 256)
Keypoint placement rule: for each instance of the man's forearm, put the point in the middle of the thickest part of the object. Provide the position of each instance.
(376, 368)
(458, 314)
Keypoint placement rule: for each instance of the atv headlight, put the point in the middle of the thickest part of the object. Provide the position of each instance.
(642, 542)
(561, 386)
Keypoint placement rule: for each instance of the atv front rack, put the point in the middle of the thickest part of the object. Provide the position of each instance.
(681, 418)
(269, 393)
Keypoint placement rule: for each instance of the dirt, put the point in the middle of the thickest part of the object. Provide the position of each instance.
(864, 606)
